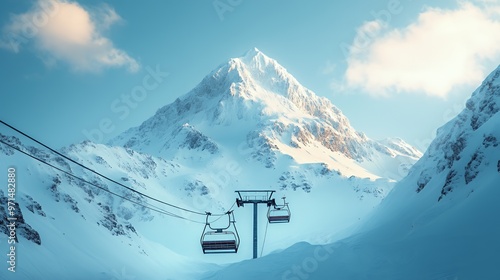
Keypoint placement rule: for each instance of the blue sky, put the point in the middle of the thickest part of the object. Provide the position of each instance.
(395, 68)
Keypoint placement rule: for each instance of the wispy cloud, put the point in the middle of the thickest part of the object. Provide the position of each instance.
(328, 68)
(65, 31)
(444, 48)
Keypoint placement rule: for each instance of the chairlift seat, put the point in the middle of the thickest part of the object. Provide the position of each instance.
(279, 219)
(280, 214)
(219, 245)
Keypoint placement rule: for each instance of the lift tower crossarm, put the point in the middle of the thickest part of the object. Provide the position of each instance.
(258, 197)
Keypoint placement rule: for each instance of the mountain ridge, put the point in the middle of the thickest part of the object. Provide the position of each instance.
(281, 116)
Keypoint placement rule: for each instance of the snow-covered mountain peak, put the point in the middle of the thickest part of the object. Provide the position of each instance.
(253, 52)
(257, 60)
(253, 101)
(257, 83)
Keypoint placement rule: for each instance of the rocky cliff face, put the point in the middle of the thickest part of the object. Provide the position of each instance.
(468, 144)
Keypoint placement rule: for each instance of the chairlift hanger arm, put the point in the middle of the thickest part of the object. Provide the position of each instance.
(256, 198)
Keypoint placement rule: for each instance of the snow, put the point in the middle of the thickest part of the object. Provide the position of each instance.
(92, 245)
(453, 240)
(417, 232)
(249, 124)
(73, 242)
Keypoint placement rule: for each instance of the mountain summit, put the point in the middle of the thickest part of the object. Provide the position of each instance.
(253, 103)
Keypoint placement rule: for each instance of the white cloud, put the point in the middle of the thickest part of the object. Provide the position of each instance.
(441, 50)
(65, 31)
(105, 16)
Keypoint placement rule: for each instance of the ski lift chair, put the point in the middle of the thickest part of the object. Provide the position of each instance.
(220, 240)
(278, 213)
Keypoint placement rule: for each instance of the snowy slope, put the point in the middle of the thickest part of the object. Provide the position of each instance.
(84, 232)
(440, 222)
(75, 219)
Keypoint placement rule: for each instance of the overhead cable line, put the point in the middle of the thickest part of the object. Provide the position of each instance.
(264, 242)
(234, 203)
(151, 207)
(104, 176)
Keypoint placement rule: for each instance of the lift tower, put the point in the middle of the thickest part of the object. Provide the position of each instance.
(255, 197)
